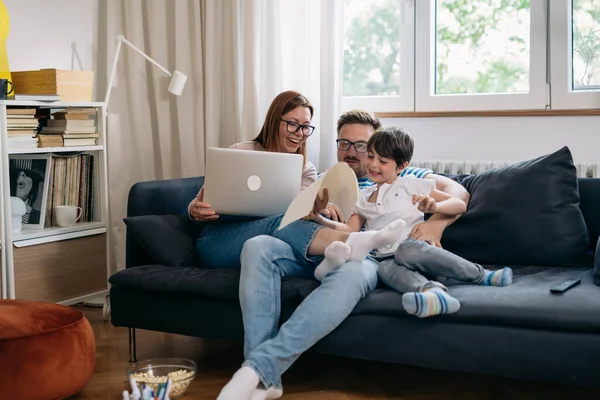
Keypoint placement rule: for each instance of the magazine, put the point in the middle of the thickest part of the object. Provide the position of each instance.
(342, 189)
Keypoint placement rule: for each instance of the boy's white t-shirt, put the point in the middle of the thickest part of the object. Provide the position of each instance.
(394, 201)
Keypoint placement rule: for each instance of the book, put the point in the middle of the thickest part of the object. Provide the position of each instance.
(342, 189)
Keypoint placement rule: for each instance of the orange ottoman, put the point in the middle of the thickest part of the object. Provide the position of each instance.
(47, 351)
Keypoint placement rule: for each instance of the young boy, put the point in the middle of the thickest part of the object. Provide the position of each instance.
(388, 211)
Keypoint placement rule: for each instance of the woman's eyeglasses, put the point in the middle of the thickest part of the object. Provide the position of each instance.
(293, 127)
(344, 145)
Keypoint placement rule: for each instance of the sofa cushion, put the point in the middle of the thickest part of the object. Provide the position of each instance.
(523, 214)
(527, 302)
(168, 239)
(221, 284)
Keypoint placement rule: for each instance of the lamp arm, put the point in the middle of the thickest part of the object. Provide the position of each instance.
(112, 74)
(122, 40)
(163, 69)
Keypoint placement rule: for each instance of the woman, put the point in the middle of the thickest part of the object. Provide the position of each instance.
(285, 129)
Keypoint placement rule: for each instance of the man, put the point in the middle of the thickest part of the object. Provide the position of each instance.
(354, 130)
(269, 350)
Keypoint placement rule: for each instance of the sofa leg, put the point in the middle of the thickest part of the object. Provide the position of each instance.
(132, 351)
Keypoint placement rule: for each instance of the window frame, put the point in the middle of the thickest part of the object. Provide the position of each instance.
(561, 61)
(426, 100)
(406, 100)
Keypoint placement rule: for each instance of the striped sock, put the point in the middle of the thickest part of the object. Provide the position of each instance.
(501, 277)
(432, 302)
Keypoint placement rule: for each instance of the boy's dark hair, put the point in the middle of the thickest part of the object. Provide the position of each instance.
(358, 117)
(392, 142)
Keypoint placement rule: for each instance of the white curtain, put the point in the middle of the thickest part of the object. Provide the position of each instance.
(238, 55)
(298, 45)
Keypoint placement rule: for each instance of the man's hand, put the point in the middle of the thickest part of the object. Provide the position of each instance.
(426, 203)
(201, 211)
(429, 231)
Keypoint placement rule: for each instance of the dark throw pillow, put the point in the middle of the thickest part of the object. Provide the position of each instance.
(523, 214)
(168, 239)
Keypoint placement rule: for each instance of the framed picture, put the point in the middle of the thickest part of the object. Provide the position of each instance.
(30, 181)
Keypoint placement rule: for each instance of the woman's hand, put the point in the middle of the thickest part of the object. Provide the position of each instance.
(426, 203)
(201, 211)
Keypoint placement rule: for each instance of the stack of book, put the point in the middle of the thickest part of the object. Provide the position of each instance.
(72, 127)
(21, 124)
(72, 182)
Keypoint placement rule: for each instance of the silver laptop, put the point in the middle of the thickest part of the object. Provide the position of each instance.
(251, 183)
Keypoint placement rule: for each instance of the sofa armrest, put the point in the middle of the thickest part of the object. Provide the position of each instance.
(166, 197)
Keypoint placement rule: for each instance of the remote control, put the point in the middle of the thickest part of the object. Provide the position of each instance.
(564, 286)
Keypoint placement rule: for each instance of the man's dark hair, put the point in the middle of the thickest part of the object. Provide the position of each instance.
(358, 117)
(392, 142)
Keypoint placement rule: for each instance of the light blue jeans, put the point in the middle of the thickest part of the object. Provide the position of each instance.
(220, 244)
(269, 349)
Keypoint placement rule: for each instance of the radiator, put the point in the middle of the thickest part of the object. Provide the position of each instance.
(584, 169)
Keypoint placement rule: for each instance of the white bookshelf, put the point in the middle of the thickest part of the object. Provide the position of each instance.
(42, 150)
(30, 239)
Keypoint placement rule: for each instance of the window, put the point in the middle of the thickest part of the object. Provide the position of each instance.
(378, 55)
(575, 53)
(480, 55)
(481, 49)
(461, 55)
(585, 39)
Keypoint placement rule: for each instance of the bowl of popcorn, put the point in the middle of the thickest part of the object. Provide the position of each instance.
(157, 371)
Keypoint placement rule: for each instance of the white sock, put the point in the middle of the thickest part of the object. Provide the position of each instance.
(266, 394)
(336, 254)
(362, 243)
(241, 385)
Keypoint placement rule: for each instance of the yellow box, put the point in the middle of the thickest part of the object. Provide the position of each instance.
(67, 84)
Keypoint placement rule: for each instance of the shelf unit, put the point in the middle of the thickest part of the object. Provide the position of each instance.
(61, 263)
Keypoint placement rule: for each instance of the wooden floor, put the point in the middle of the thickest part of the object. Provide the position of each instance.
(312, 377)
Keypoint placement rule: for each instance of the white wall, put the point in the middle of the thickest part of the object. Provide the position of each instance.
(42, 32)
(502, 138)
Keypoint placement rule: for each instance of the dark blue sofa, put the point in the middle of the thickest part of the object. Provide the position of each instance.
(521, 331)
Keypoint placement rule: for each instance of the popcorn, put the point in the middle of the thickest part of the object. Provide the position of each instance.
(180, 378)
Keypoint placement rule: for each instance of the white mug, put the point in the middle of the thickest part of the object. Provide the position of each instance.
(67, 215)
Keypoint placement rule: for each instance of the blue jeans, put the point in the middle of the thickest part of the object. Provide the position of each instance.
(269, 349)
(220, 244)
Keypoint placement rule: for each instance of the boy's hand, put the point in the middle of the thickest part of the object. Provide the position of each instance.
(315, 217)
(321, 202)
(426, 203)
(333, 213)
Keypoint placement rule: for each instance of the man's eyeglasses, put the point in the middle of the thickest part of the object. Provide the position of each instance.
(344, 145)
(293, 127)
